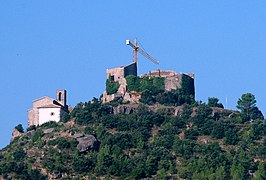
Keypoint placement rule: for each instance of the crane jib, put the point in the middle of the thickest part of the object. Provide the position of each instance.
(138, 49)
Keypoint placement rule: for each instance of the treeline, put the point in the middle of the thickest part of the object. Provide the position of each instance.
(133, 150)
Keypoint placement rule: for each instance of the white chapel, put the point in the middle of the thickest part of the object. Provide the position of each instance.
(46, 109)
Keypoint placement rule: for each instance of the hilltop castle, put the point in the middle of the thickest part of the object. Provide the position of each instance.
(123, 83)
(172, 81)
(46, 109)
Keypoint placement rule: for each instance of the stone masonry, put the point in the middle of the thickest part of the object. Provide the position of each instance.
(119, 75)
(173, 81)
(46, 109)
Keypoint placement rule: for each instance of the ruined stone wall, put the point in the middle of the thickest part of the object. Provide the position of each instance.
(192, 75)
(118, 75)
(132, 97)
(33, 117)
(160, 73)
(107, 98)
(115, 73)
(173, 82)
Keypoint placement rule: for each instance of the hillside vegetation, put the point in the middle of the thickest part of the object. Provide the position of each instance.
(201, 141)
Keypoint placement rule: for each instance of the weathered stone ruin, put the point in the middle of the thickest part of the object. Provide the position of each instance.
(172, 81)
(119, 75)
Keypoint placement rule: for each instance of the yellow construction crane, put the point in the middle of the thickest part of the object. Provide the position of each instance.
(137, 49)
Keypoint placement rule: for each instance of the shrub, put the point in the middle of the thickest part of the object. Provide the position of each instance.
(19, 154)
(36, 174)
(214, 102)
(65, 118)
(32, 127)
(111, 86)
(19, 128)
(153, 84)
(147, 97)
(50, 124)
(63, 143)
(82, 164)
(133, 83)
(89, 130)
(37, 136)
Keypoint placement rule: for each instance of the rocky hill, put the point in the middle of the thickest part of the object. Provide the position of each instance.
(139, 141)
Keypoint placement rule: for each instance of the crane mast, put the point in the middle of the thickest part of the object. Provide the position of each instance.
(137, 49)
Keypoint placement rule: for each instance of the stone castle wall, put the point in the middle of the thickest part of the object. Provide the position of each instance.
(118, 75)
(115, 74)
(172, 81)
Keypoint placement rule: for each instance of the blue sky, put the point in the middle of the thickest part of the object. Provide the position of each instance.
(49, 45)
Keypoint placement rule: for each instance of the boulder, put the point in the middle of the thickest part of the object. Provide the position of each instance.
(30, 133)
(121, 109)
(87, 142)
(78, 135)
(48, 131)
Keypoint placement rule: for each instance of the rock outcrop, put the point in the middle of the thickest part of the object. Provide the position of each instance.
(87, 142)
(30, 133)
(48, 131)
(123, 109)
(15, 134)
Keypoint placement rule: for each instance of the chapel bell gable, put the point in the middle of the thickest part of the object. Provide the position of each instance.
(61, 97)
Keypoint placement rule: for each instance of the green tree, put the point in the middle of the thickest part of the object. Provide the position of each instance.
(247, 105)
(214, 102)
(65, 118)
(237, 171)
(19, 154)
(32, 127)
(133, 83)
(36, 174)
(162, 174)
(104, 160)
(261, 172)
(82, 164)
(19, 128)
(220, 173)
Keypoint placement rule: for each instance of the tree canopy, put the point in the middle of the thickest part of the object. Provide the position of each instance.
(214, 102)
(247, 105)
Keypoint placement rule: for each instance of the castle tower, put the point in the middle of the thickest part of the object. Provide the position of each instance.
(61, 97)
